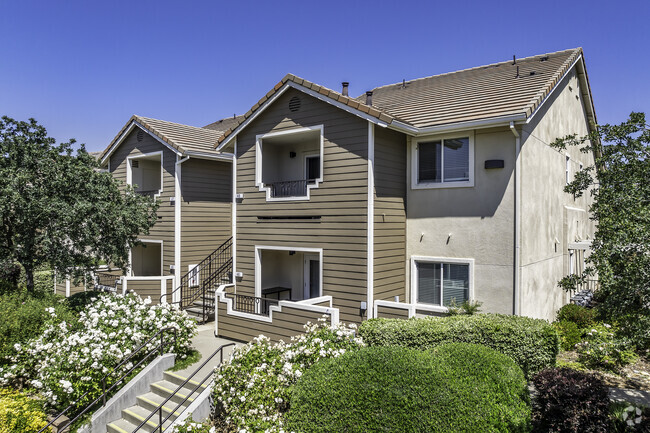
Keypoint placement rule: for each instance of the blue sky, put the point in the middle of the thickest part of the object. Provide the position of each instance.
(82, 68)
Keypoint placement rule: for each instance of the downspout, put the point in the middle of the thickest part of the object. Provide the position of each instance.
(517, 234)
(177, 221)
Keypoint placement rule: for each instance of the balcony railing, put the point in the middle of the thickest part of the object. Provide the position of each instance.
(289, 188)
(252, 304)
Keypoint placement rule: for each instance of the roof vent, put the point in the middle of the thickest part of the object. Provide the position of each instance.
(140, 135)
(532, 72)
(294, 104)
(369, 97)
(543, 59)
(345, 86)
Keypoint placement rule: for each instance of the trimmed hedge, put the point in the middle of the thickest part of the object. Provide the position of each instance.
(532, 343)
(455, 387)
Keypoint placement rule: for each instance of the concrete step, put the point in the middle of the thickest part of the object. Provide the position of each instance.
(177, 379)
(123, 426)
(165, 388)
(137, 414)
(151, 401)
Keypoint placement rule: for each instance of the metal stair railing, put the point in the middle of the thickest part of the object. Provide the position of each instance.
(197, 282)
(159, 348)
(159, 409)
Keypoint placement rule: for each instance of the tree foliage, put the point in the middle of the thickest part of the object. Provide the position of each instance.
(58, 208)
(619, 182)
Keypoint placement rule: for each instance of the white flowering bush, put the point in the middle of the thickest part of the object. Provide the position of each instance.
(252, 389)
(69, 359)
(189, 426)
(601, 348)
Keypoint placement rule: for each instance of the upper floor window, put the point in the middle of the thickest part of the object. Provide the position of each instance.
(289, 163)
(443, 162)
(144, 172)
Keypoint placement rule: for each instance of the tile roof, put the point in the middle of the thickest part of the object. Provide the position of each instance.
(478, 93)
(224, 124)
(183, 138)
(484, 92)
(329, 93)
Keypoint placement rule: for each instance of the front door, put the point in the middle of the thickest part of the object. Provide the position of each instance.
(312, 276)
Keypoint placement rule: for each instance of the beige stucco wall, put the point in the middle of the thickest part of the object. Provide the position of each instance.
(549, 215)
(479, 219)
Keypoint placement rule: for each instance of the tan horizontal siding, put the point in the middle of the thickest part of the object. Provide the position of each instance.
(340, 201)
(164, 228)
(385, 312)
(206, 209)
(390, 215)
(286, 324)
(146, 288)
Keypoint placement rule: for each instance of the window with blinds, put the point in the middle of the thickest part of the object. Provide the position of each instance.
(444, 161)
(442, 283)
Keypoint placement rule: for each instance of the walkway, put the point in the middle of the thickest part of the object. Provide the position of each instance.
(206, 343)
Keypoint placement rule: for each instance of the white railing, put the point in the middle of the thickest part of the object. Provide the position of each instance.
(304, 305)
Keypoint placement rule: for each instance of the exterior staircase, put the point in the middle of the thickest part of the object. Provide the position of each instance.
(159, 391)
(195, 293)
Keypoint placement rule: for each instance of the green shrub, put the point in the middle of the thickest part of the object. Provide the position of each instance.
(19, 413)
(583, 317)
(533, 344)
(455, 387)
(629, 418)
(569, 401)
(24, 317)
(252, 389)
(79, 301)
(601, 348)
(570, 334)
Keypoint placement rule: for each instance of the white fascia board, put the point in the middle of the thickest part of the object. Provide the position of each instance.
(337, 104)
(530, 118)
(253, 117)
(126, 133)
(221, 157)
(309, 92)
(460, 126)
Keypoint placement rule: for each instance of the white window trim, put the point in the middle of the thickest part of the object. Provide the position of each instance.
(258, 162)
(429, 259)
(162, 255)
(258, 264)
(129, 173)
(435, 185)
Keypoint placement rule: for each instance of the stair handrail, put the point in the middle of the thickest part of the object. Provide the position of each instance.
(159, 409)
(105, 391)
(196, 270)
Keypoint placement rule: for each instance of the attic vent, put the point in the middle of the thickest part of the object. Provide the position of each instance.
(135, 163)
(294, 104)
(543, 59)
(140, 135)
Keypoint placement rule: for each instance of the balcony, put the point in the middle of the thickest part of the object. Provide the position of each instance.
(145, 174)
(288, 164)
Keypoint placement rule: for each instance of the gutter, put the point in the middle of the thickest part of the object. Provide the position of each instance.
(460, 126)
(517, 234)
(177, 220)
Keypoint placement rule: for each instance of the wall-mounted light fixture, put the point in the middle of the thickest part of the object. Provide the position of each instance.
(292, 154)
(363, 308)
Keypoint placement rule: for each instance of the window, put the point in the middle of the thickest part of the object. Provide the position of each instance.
(312, 168)
(441, 283)
(443, 162)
